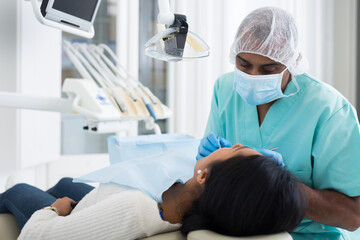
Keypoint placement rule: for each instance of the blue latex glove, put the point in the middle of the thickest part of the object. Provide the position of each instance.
(277, 157)
(210, 143)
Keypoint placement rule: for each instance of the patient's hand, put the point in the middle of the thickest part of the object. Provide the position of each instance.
(63, 205)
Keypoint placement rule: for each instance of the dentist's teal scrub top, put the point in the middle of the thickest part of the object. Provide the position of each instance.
(316, 131)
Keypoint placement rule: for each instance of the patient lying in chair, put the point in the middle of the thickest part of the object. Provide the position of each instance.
(234, 191)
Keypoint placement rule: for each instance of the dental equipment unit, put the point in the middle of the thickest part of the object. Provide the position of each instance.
(108, 96)
(128, 96)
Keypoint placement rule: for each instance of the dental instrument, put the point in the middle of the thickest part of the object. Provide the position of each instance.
(143, 90)
(118, 66)
(94, 69)
(109, 79)
(135, 107)
(121, 88)
(103, 71)
(114, 77)
(218, 139)
(91, 69)
(88, 72)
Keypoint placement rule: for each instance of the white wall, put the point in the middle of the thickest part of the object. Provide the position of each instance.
(30, 63)
(344, 64)
(39, 73)
(8, 29)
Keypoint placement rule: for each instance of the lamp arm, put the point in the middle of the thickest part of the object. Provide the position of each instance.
(165, 16)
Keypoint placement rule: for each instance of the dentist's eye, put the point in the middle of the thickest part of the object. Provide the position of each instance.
(271, 69)
(245, 65)
(266, 72)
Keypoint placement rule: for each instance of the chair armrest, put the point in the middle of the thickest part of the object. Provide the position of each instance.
(209, 235)
(167, 236)
(9, 229)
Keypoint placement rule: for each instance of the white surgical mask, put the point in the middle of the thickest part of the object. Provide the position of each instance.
(260, 89)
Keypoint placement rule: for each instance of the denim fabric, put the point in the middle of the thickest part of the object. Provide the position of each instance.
(67, 188)
(22, 200)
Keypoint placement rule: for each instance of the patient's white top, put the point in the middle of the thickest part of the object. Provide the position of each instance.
(110, 211)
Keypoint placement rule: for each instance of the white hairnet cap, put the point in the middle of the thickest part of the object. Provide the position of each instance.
(270, 32)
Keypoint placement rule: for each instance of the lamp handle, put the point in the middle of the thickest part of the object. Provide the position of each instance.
(165, 15)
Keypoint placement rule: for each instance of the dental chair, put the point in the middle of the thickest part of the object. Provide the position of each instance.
(10, 231)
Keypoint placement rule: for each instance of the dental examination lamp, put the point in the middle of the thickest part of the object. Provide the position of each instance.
(174, 42)
(72, 16)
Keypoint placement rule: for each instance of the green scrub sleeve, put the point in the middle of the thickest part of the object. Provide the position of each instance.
(214, 121)
(336, 153)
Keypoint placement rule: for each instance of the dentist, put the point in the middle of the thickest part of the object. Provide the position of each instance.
(269, 102)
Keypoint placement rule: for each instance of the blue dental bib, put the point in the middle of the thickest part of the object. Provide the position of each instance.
(152, 174)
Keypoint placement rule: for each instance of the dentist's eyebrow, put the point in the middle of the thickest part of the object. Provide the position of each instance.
(242, 59)
(264, 65)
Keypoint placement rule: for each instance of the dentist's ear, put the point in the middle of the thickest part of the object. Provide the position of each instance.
(202, 176)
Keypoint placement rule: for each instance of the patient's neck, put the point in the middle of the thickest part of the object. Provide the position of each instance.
(178, 199)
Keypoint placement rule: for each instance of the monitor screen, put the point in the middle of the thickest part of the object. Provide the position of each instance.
(83, 9)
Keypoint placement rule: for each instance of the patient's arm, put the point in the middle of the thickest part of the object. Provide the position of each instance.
(125, 215)
(333, 208)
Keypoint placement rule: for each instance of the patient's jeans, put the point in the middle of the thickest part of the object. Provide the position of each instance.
(22, 200)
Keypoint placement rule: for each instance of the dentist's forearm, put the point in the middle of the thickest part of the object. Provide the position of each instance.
(333, 208)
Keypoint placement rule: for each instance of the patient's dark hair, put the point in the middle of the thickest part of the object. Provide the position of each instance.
(247, 196)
